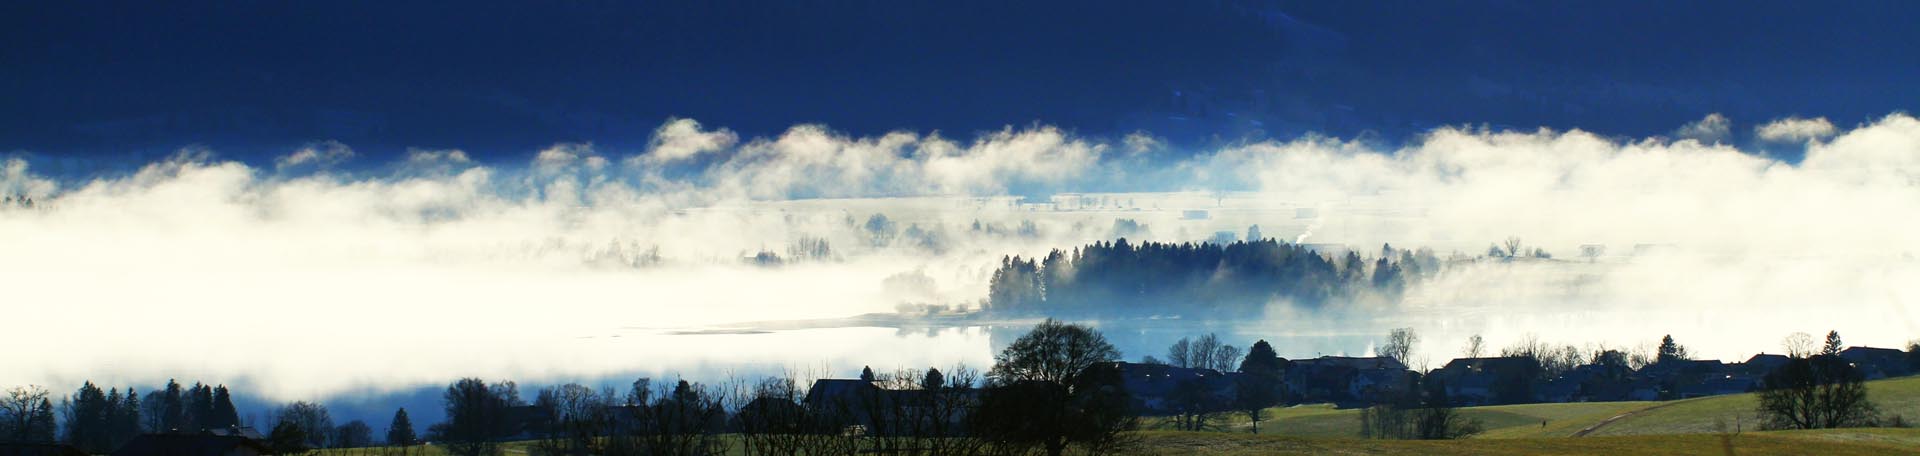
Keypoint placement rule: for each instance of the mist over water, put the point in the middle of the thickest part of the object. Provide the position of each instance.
(309, 279)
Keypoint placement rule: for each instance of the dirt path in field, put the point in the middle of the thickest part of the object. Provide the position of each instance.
(1605, 422)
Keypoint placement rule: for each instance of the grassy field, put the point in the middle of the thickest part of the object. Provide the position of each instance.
(1900, 396)
(1693, 416)
(1825, 442)
(1500, 422)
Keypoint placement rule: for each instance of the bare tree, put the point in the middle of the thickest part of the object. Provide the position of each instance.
(574, 420)
(477, 416)
(1204, 352)
(1798, 345)
(1226, 357)
(685, 419)
(26, 415)
(1399, 345)
(1201, 352)
(1512, 244)
(311, 419)
(1528, 346)
(1476, 347)
(1562, 360)
(1177, 353)
(354, 434)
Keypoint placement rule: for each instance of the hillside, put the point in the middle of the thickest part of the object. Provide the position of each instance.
(1899, 396)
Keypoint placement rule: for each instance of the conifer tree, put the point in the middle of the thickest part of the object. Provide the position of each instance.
(400, 433)
(224, 414)
(86, 419)
(43, 427)
(199, 407)
(173, 408)
(1833, 346)
(934, 380)
(126, 422)
(109, 419)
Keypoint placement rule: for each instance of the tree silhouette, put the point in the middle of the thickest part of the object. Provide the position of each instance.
(312, 420)
(477, 416)
(1122, 278)
(1052, 352)
(1055, 387)
(1833, 345)
(354, 434)
(26, 415)
(287, 438)
(934, 380)
(1670, 351)
(1823, 391)
(200, 407)
(88, 419)
(400, 433)
(224, 414)
(1399, 345)
(173, 407)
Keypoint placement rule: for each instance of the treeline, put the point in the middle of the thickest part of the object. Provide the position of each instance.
(1052, 390)
(99, 421)
(1240, 278)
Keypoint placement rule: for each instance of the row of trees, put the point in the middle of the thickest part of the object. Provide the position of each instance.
(302, 426)
(101, 420)
(1054, 389)
(1197, 405)
(1120, 278)
(1816, 388)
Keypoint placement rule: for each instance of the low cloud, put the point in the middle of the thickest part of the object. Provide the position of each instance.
(1714, 128)
(320, 155)
(1794, 129)
(682, 139)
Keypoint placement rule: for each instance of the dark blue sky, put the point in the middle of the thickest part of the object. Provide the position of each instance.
(254, 79)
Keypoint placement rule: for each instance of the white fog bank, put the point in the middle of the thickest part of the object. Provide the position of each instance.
(303, 280)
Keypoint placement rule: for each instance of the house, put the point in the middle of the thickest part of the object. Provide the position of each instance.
(1380, 385)
(1674, 377)
(870, 408)
(1728, 382)
(192, 444)
(1492, 380)
(1345, 379)
(1153, 388)
(1590, 383)
(840, 396)
(1561, 390)
(39, 449)
(1762, 364)
(1643, 389)
(239, 431)
(776, 415)
(1468, 389)
(1878, 363)
(527, 422)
